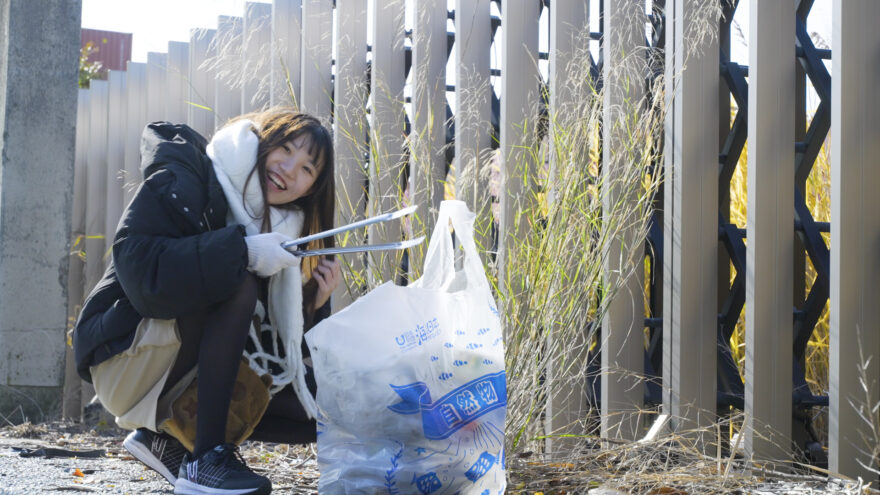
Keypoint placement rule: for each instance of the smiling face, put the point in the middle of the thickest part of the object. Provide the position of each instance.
(290, 171)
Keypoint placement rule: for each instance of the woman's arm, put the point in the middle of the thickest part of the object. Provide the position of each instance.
(166, 265)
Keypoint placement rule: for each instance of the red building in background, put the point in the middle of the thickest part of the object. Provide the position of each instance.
(113, 48)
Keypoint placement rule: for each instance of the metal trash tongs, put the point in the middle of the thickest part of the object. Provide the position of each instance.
(294, 245)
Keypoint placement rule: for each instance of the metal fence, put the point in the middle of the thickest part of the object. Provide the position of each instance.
(383, 87)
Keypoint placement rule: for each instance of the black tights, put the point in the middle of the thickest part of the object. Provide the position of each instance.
(213, 339)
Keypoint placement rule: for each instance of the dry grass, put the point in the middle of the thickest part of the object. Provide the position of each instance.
(586, 226)
(668, 466)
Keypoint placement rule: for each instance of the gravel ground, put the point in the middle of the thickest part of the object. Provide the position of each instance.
(292, 470)
(640, 469)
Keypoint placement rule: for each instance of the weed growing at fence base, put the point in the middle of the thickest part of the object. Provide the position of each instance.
(573, 239)
(586, 226)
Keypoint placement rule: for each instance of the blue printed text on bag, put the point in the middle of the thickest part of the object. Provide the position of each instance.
(455, 409)
(417, 336)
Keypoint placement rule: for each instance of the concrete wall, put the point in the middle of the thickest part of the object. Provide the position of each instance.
(39, 44)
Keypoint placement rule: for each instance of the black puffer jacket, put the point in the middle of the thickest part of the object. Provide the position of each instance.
(172, 253)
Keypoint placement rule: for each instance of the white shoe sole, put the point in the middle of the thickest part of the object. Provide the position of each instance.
(186, 487)
(144, 455)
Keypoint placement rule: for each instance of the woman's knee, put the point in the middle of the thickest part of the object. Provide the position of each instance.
(245, 296)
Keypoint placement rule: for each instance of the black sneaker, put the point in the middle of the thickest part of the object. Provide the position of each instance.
(219, 470)
(161, 452)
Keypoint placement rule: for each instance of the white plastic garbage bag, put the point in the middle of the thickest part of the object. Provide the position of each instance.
(411, 383)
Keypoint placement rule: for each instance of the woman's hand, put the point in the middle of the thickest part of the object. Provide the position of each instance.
(327, 275)
(266, 257)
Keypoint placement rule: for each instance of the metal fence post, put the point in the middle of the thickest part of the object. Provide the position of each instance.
(473, 111)
(387, 128)
(769, 278)
(855, 240)
(178, 81)
(72, 403)
(317, 57)
(228, 50)
(97, 238)
(136, 119)
(286, 52)
(256, 50)
(350, 133)
(200, 100)
(690, 315)
(622, 338)
(520, 97)
(157, 86)
(116, 126)
(427, 138)
(568, 405)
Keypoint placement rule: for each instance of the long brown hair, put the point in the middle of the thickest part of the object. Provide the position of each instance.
(277, 126)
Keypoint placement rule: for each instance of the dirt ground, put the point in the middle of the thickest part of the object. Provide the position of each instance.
(54, 458)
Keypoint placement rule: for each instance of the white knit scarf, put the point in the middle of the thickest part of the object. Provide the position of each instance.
(233, 150)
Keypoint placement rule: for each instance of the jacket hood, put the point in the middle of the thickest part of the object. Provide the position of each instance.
(163, 143)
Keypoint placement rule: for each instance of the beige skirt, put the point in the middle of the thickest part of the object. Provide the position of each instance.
(130, 384)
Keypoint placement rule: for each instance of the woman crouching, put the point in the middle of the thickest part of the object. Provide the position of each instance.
(197, 262)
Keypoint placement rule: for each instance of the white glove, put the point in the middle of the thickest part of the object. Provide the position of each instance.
(266, 257)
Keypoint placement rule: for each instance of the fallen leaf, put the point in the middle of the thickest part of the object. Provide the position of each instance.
(666, 490)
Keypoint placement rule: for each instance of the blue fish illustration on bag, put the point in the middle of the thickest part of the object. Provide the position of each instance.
(427, 483)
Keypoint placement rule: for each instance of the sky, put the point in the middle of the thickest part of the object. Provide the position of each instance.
(156, 22)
